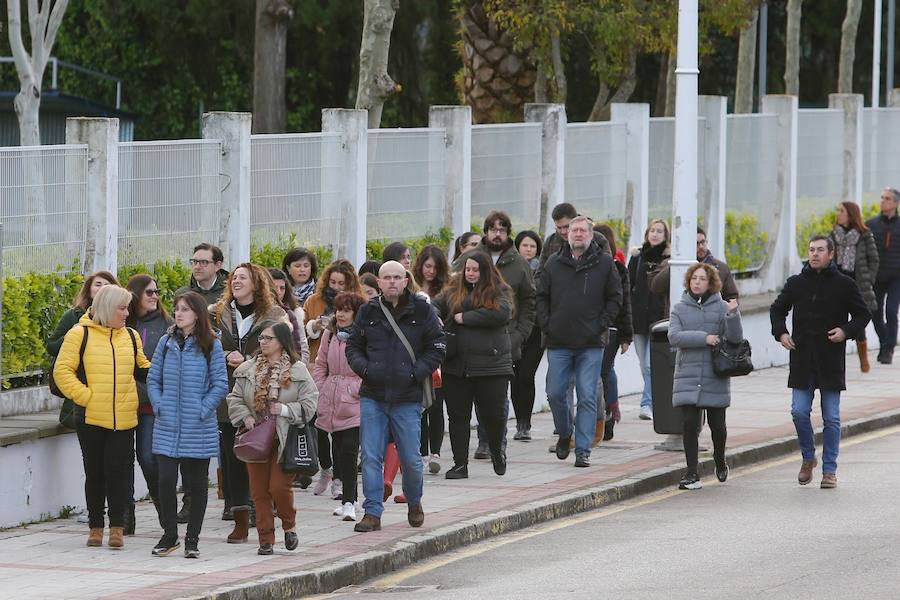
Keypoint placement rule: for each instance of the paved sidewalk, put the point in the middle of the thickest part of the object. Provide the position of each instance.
(50, 560)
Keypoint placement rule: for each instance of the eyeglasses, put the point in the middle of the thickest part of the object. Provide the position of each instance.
(151, 293)
(201, 262)
(497, 230)
(265, 338)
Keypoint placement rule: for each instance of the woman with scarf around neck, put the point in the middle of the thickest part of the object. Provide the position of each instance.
(338, 409)
(856, 255)
(647, 307)
(301, 267)
(294, 311)
(695, 325)
(275, 384)
(339, 276)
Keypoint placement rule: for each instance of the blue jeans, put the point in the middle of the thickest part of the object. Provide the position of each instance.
(143, 442)
(801, 407)
(642, 347)
(377, 421)
(585, 363)
(887, 294)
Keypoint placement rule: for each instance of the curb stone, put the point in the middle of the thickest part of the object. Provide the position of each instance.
(360, 568)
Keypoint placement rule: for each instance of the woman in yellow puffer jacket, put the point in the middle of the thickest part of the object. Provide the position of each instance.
(101, 383)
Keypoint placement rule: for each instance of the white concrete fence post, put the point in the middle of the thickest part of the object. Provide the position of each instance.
(711, 186)
(456, 121)
(553, 158)
(852, 105)
(101, 248)
(636, 118)
(783, 260)
(894, 98)
(232, 129)
(352, 125)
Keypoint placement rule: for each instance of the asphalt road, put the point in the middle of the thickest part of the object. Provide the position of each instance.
(759, 535)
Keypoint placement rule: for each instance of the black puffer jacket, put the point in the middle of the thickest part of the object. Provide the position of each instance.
(821, 301)
(622, 322)
(646, 307)
(578, 300)
(376, 354)
(887, 240)
(483, 345)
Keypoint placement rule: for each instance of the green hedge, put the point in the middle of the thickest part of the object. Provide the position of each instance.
(745, 242)
(823, 224)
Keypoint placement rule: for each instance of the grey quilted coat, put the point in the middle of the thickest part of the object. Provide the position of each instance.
(690, 322)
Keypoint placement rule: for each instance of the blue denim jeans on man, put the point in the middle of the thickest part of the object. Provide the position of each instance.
(585, 363)
(801, 407)
(377, 420)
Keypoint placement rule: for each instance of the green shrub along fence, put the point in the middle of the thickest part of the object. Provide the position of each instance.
(823, 224)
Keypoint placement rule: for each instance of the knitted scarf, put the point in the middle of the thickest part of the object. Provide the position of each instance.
(845, 250)
(302, 292)
(269, 378)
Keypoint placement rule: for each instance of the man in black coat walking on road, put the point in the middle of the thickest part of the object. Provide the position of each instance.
(821, 297)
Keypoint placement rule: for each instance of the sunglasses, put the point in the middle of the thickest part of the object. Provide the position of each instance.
(152, 293)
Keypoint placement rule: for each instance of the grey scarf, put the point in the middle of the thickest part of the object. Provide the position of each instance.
(845, 250)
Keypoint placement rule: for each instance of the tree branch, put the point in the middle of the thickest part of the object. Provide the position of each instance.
(20, 55)
(56, 17)
(559, 70)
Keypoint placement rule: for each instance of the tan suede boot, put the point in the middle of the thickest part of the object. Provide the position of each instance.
(862, 348)
(116, 537)
(241, 526)
(95, 537)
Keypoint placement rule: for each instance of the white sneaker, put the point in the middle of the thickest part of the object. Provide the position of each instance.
(434, 464)
(339, 511)
(646, 413)
(349, 511)
(337, 489)
(323, 481)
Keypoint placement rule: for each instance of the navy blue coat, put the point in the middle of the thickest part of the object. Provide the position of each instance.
(185, 389)
(376, 354)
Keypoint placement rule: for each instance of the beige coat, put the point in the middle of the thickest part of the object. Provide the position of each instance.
(300, 397)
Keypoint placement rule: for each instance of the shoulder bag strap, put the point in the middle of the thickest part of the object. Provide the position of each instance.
(397, 330)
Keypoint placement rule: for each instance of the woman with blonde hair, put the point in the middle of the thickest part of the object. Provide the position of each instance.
(100, 380)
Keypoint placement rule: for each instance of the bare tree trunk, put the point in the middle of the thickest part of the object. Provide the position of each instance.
(848, 46)
(269, 53)
(559, 71)
(670, 84)
(540, 85)
(659, 105)
(746, 67)
(792, 48)
(603, 103)
(375, 85)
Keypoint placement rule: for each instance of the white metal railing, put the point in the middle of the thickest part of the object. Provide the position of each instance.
(43, 208)
(506, 172)
(169, 198)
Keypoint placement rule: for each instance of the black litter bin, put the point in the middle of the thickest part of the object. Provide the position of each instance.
(666, 418)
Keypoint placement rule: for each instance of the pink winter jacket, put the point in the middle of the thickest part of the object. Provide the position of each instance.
(338, 386)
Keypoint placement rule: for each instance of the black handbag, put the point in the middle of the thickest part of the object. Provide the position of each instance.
(300, 455)
(730, 359)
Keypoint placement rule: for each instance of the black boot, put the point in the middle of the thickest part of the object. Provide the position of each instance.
(184, 515)
(129, 520)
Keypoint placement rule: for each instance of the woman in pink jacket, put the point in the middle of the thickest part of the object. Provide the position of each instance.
(338, 409)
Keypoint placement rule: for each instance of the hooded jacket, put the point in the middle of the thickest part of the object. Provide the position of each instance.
(110, 398)
(213, 294)
(338, 385)
(577, 300)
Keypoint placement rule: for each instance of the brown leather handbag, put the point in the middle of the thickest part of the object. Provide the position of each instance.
(255, 445)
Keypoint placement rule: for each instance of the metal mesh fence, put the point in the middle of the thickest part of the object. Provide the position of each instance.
(295, 187)
(596, 170)
(820, 161)
(43, 208)
(405, 182)
(506, 172)
(662, 164)
(169, 198)
(881, 151)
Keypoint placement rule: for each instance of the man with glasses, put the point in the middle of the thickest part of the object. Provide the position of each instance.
(886, 229)
(562, 215)
(208, 278)
(658, 279)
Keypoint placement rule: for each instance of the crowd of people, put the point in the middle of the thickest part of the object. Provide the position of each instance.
(372, 356)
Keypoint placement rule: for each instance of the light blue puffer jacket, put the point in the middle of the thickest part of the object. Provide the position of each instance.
(185, 390)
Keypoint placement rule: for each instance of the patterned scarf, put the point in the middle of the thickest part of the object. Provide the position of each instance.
(302, 292)
(845, 250)
(269, 378)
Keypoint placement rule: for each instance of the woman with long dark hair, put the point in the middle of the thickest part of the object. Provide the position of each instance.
(521, 392)
(90, 287)
(856, 256)
(294, 311)
(476, 306)
(301, 268)
(187, 381)
(467, 241)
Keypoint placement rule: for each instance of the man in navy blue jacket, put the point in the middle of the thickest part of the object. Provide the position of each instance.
(391, 391)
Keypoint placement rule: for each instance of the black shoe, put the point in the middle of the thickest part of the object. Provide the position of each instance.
(884, 356)
(458, 472)
(190, 548)
(582, 460)
(166, 546)
(562, 447)
(129, 520)
(303, 482)
(184, 515)
(608, 428)
(722, 472)
(690, 481)
(526, 434)
(498, 459)
(265, 550)
(519, 430)
(481, 452)
(290, 540)
(227, 514)
(888, 357)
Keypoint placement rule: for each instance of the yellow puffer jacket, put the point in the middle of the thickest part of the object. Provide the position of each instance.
(110, 397)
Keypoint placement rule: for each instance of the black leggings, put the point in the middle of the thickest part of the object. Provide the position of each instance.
(715, 417)
(489, 395)
(328, 454)
(196, 470)
(346, 448)
(433, 426)
(522, 387)
(108, 457)
(235, 481)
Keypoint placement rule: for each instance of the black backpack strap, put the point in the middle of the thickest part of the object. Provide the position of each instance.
(79, 372)
(140, 373)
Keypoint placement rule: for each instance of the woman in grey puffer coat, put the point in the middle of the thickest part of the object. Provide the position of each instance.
(695, 325)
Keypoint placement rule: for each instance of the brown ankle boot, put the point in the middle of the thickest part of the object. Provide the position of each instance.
(95, 537)
(116, 537)
(862, 348)
(241, 526)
